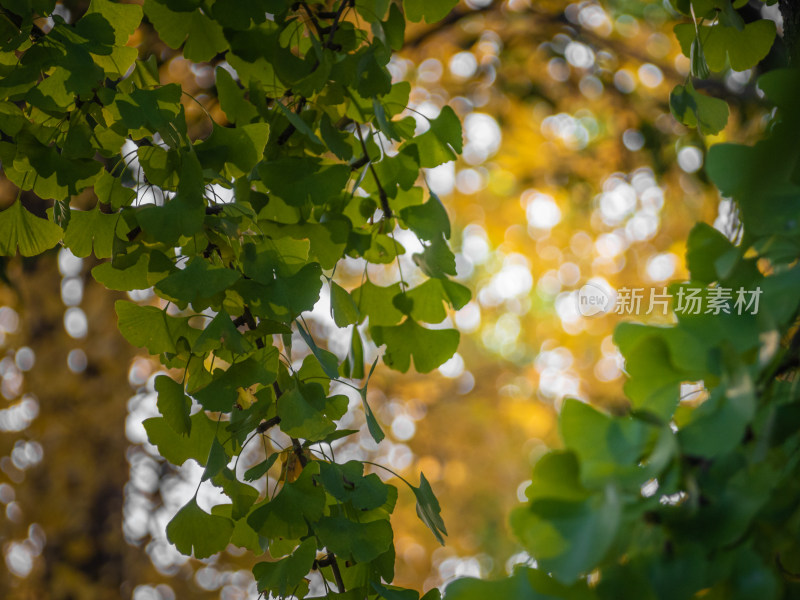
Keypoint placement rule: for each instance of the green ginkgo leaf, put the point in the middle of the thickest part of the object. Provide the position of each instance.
(361, 542)
(430, 10)
(221, 393)
(20, 229)
(437, 259)
(430, 348)
(203, 36)
(232, 100)
(343, 307)
(690, 107)
(442, 142)
(290, 511)
(429, 221)
(173, 404)
(428, 508)
(238, 149)
(372, 423)
(176, 447)
(90, 230)
(282, 576)
(198, 280)
(426, 302)
(150, 327)
(375, 302)
(194, 531)
(723, 45)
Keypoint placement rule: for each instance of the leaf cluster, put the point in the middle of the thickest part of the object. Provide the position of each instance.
(320, 166)
(717, 39)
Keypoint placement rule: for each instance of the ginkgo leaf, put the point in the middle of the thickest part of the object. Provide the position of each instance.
(223, 390)
(232, 100)
(178, 448)
(286, 297)
(328, 360)
(437, 259)
(429, 221)
(394, 593)
(300, 180)
(217, 459)
(298, 123)
(372, 423)
(203, 36)
(123, 18)
(148, 110)
(348, 483)
(194, 531)
(306, 413)
(430, 10)
(361, 542)
(375, 302)
(259, 470)
(239, 149)
(741, 48)
(289, 512)
(242, 494)
(428, 508)
(690, 107)
(90, 230)
(109, 190)
(442, 142)
(19, 229)
(221, 332)
(430, 348)
(133, 277)
(173, 404)
(149, 327)
(343, 307)
(281, 576)
(568, 538)
(335, 140)
(198, 280)
(426, 302)
(353, 365)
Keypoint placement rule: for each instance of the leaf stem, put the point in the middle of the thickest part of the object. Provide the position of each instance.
(400, 477)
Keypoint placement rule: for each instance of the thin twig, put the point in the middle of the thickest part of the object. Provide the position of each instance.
(312, 18)
(337, 575)
(387, 211)
(335, 24)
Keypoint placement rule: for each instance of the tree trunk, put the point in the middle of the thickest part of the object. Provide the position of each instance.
(790, 11)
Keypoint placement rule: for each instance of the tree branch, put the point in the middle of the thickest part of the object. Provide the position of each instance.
(387, 211)
(330, 561)
(337, 575)
(269, 423)
(312, 18)
(790, 11)
(335, 24)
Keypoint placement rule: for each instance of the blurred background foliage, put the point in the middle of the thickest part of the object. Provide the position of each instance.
(573, 171)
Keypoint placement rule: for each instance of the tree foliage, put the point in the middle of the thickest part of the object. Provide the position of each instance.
(668, 500)
(318, 170)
